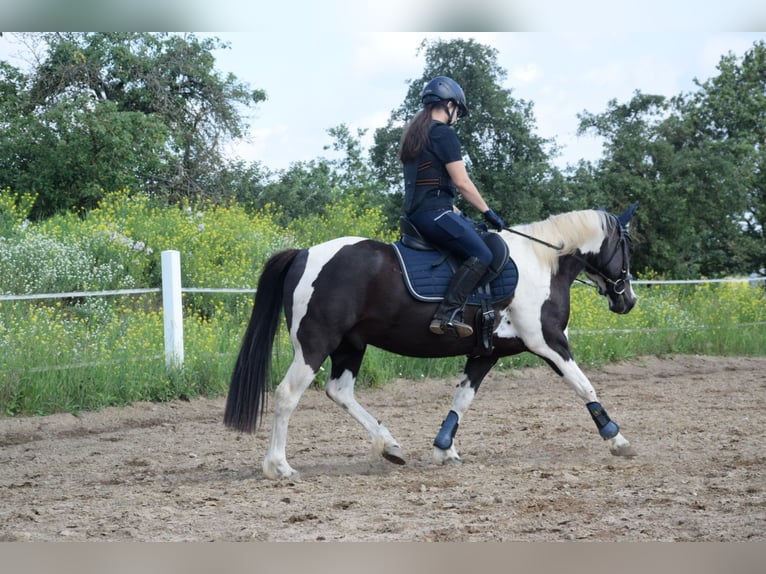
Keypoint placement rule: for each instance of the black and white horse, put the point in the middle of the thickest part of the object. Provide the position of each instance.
(343, 295)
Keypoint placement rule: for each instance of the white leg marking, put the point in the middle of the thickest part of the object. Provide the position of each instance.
(449, 456)
(576, 379)
(464, 395)
(341, 391)
(286, 397)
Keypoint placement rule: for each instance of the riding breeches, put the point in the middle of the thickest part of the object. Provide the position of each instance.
(453, 232)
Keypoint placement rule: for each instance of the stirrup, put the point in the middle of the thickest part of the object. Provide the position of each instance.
(452, 327)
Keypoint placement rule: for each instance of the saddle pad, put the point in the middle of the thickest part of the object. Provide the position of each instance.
(427, 275)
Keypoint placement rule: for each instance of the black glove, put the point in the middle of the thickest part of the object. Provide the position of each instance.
(494, 219)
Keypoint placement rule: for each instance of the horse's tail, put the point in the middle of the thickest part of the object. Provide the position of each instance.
(246, 401)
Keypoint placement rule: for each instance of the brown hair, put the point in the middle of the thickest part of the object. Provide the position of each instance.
(415, 135)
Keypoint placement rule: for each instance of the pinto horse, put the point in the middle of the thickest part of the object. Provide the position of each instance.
(343, 295)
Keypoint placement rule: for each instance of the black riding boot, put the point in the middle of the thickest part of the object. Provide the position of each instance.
(449, 316)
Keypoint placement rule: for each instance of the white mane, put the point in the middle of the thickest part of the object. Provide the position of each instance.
(571, 230)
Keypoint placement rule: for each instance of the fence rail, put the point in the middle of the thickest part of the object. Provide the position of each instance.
(172, 292)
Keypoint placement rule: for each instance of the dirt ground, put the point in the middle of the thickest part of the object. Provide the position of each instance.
(172, 472)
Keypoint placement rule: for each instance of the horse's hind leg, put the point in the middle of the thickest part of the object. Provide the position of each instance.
(345, 367)
(476, 368)
(286, 397)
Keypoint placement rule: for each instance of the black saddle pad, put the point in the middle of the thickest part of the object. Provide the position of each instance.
(428, 273)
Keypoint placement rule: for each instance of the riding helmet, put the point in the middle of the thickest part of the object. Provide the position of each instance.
(442, 89)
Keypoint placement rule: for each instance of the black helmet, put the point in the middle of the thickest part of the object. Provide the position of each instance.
(444, 89)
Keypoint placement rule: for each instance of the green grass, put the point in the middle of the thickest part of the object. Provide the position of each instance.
(62, 358)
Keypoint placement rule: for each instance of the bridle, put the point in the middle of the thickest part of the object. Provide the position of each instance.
(624, 242)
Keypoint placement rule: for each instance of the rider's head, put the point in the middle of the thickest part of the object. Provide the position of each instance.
(443, 89)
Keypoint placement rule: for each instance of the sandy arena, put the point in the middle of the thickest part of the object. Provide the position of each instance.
(535, 467)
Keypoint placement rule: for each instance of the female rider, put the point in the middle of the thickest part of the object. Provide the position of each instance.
(434, 171)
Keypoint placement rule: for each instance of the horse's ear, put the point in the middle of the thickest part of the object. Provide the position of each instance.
(624, 219)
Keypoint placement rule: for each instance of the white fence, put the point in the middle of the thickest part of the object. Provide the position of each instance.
(172, 307)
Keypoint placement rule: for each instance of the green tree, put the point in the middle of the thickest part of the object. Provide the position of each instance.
(154, 98)
(312, 188)
(695, 162)
(634, 167)
(507, 161)
(305, 188)
(728, 121)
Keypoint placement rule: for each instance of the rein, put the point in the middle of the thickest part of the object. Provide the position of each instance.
(537, 240)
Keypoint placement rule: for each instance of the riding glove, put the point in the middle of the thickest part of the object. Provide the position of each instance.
(494, 219)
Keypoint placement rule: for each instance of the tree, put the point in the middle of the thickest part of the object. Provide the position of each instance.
(728, 117)
(156, 99)
(507, 161)
(305, 188)
(695, 162)
(634, 167)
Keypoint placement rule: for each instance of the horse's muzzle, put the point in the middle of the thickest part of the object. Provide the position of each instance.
(623, 302)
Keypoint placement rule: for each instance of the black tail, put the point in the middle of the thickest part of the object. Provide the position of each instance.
(249, 381)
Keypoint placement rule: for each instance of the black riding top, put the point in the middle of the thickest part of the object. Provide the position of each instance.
(427, 184)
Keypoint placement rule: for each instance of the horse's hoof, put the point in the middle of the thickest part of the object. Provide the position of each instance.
(625, 450)
(282, 472)
(394, 454)
(448, 456)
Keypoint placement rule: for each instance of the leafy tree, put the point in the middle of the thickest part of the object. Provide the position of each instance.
(695, 162)
(728, 118)
(506, 160)
(634, 168)
(155, 99)
(305, 188)
(313, 188)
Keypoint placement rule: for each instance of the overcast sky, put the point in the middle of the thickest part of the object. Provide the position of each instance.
(317, 78)
(359, 78)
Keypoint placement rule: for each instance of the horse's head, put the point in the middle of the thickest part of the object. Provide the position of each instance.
(610, 267)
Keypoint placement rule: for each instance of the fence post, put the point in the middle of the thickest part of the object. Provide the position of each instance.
(172, 309)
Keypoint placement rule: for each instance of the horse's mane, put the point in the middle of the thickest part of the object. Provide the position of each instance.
(571, 230)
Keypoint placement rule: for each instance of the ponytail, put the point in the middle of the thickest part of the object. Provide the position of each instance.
(415, 135)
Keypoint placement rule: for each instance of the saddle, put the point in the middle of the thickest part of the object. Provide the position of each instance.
(427, 272)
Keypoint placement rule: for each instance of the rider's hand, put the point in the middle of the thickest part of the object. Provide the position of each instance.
(494, 220)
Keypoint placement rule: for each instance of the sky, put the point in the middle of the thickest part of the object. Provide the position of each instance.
(321, 69)
(358, 78)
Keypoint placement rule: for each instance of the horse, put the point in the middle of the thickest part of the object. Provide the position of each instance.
(342, 295)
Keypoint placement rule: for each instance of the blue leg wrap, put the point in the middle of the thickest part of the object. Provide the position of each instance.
(443, 440)
(607, 428)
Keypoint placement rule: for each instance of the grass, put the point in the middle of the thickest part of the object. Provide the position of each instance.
(61, 358)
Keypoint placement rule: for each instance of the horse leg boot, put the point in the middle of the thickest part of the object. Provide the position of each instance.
(449, 315)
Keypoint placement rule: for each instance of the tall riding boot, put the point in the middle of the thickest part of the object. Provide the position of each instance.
(449, 316)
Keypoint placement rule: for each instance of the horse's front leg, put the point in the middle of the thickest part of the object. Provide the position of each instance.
(476, 368)
(576, 379)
